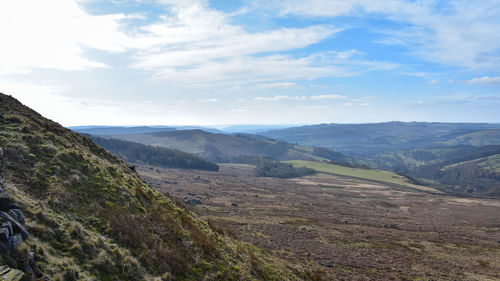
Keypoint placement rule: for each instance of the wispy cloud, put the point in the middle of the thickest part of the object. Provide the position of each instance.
(316, 97)
(324, 97)
(460, 33)
(207, 100)
(484, 80)
(280, 98)
(277, 85)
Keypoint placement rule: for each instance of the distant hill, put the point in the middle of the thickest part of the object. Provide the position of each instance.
(152, 155)
(228, 148)
(458, 157)
(119, 130)
(124, 130)
(475, 170)
(253, 129)
(390, 136)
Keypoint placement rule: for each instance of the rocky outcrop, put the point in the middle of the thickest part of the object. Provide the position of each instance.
(12, 231)
(9, 274)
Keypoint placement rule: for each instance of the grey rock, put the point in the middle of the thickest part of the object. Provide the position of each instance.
(16, 226)
(234, 204)
(7, 225)
(17, 214)
(4, 234)
(193, 202)
(342, 220)
(4, 201)
(326, 264)
(14, 206)
(15, 241)
(393, 225)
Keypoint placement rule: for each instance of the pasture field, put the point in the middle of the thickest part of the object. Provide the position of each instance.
(379, 176)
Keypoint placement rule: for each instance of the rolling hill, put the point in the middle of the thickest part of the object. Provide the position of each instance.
(370, 139)
(459, 158)
(231, 148)
(123, 130)
(133, 152)
(88, 216)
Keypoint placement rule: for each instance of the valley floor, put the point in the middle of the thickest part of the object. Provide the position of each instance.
(344, 228)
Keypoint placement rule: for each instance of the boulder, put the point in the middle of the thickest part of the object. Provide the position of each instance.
(193, 202)
(234, 204)
(10, 274)
(4, 234)
(325, 264)
(17, 214)
(16, 226)
(342, 220)
(15, 241)
(4, 201)
(7, 225)
(14, 206)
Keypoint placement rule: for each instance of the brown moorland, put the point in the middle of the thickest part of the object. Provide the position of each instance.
(343, 228)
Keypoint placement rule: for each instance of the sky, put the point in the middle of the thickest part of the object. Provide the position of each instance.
(201, 62)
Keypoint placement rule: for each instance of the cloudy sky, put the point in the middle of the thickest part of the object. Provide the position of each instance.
(200, 62)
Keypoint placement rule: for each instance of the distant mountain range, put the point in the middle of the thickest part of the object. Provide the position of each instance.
(122, 130)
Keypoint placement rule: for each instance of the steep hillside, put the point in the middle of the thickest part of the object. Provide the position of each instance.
(153, 155)
(391, 136)
(228, 148)
(91, 218)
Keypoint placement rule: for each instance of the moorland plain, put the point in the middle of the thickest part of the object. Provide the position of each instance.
(345, 228)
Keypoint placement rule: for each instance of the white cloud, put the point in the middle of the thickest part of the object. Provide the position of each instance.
(459, 33)
(54, 34)
(279, 85)
(323, 97)
(484, 80)
(280, 98)
(208, 100)
(197, 44)
(434, 82)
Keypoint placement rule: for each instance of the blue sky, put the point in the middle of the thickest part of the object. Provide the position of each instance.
(199, 62)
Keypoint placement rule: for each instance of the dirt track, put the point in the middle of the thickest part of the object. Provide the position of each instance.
(389, 235)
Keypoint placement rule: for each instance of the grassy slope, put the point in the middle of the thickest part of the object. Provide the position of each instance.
(490, 163)
(153, 155)
(91, 217)
(366, 174)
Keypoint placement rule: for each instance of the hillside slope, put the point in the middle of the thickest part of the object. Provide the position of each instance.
(153, 155)
(228, 148)
(92, 218)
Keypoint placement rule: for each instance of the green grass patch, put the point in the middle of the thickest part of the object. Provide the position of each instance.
(367, 174)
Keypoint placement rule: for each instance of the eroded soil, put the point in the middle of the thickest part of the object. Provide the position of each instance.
(366, 231)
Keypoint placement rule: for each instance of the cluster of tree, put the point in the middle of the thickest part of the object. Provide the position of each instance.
(276, 169)
(153, 155)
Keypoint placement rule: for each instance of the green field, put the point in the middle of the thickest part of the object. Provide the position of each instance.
(366, 174)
